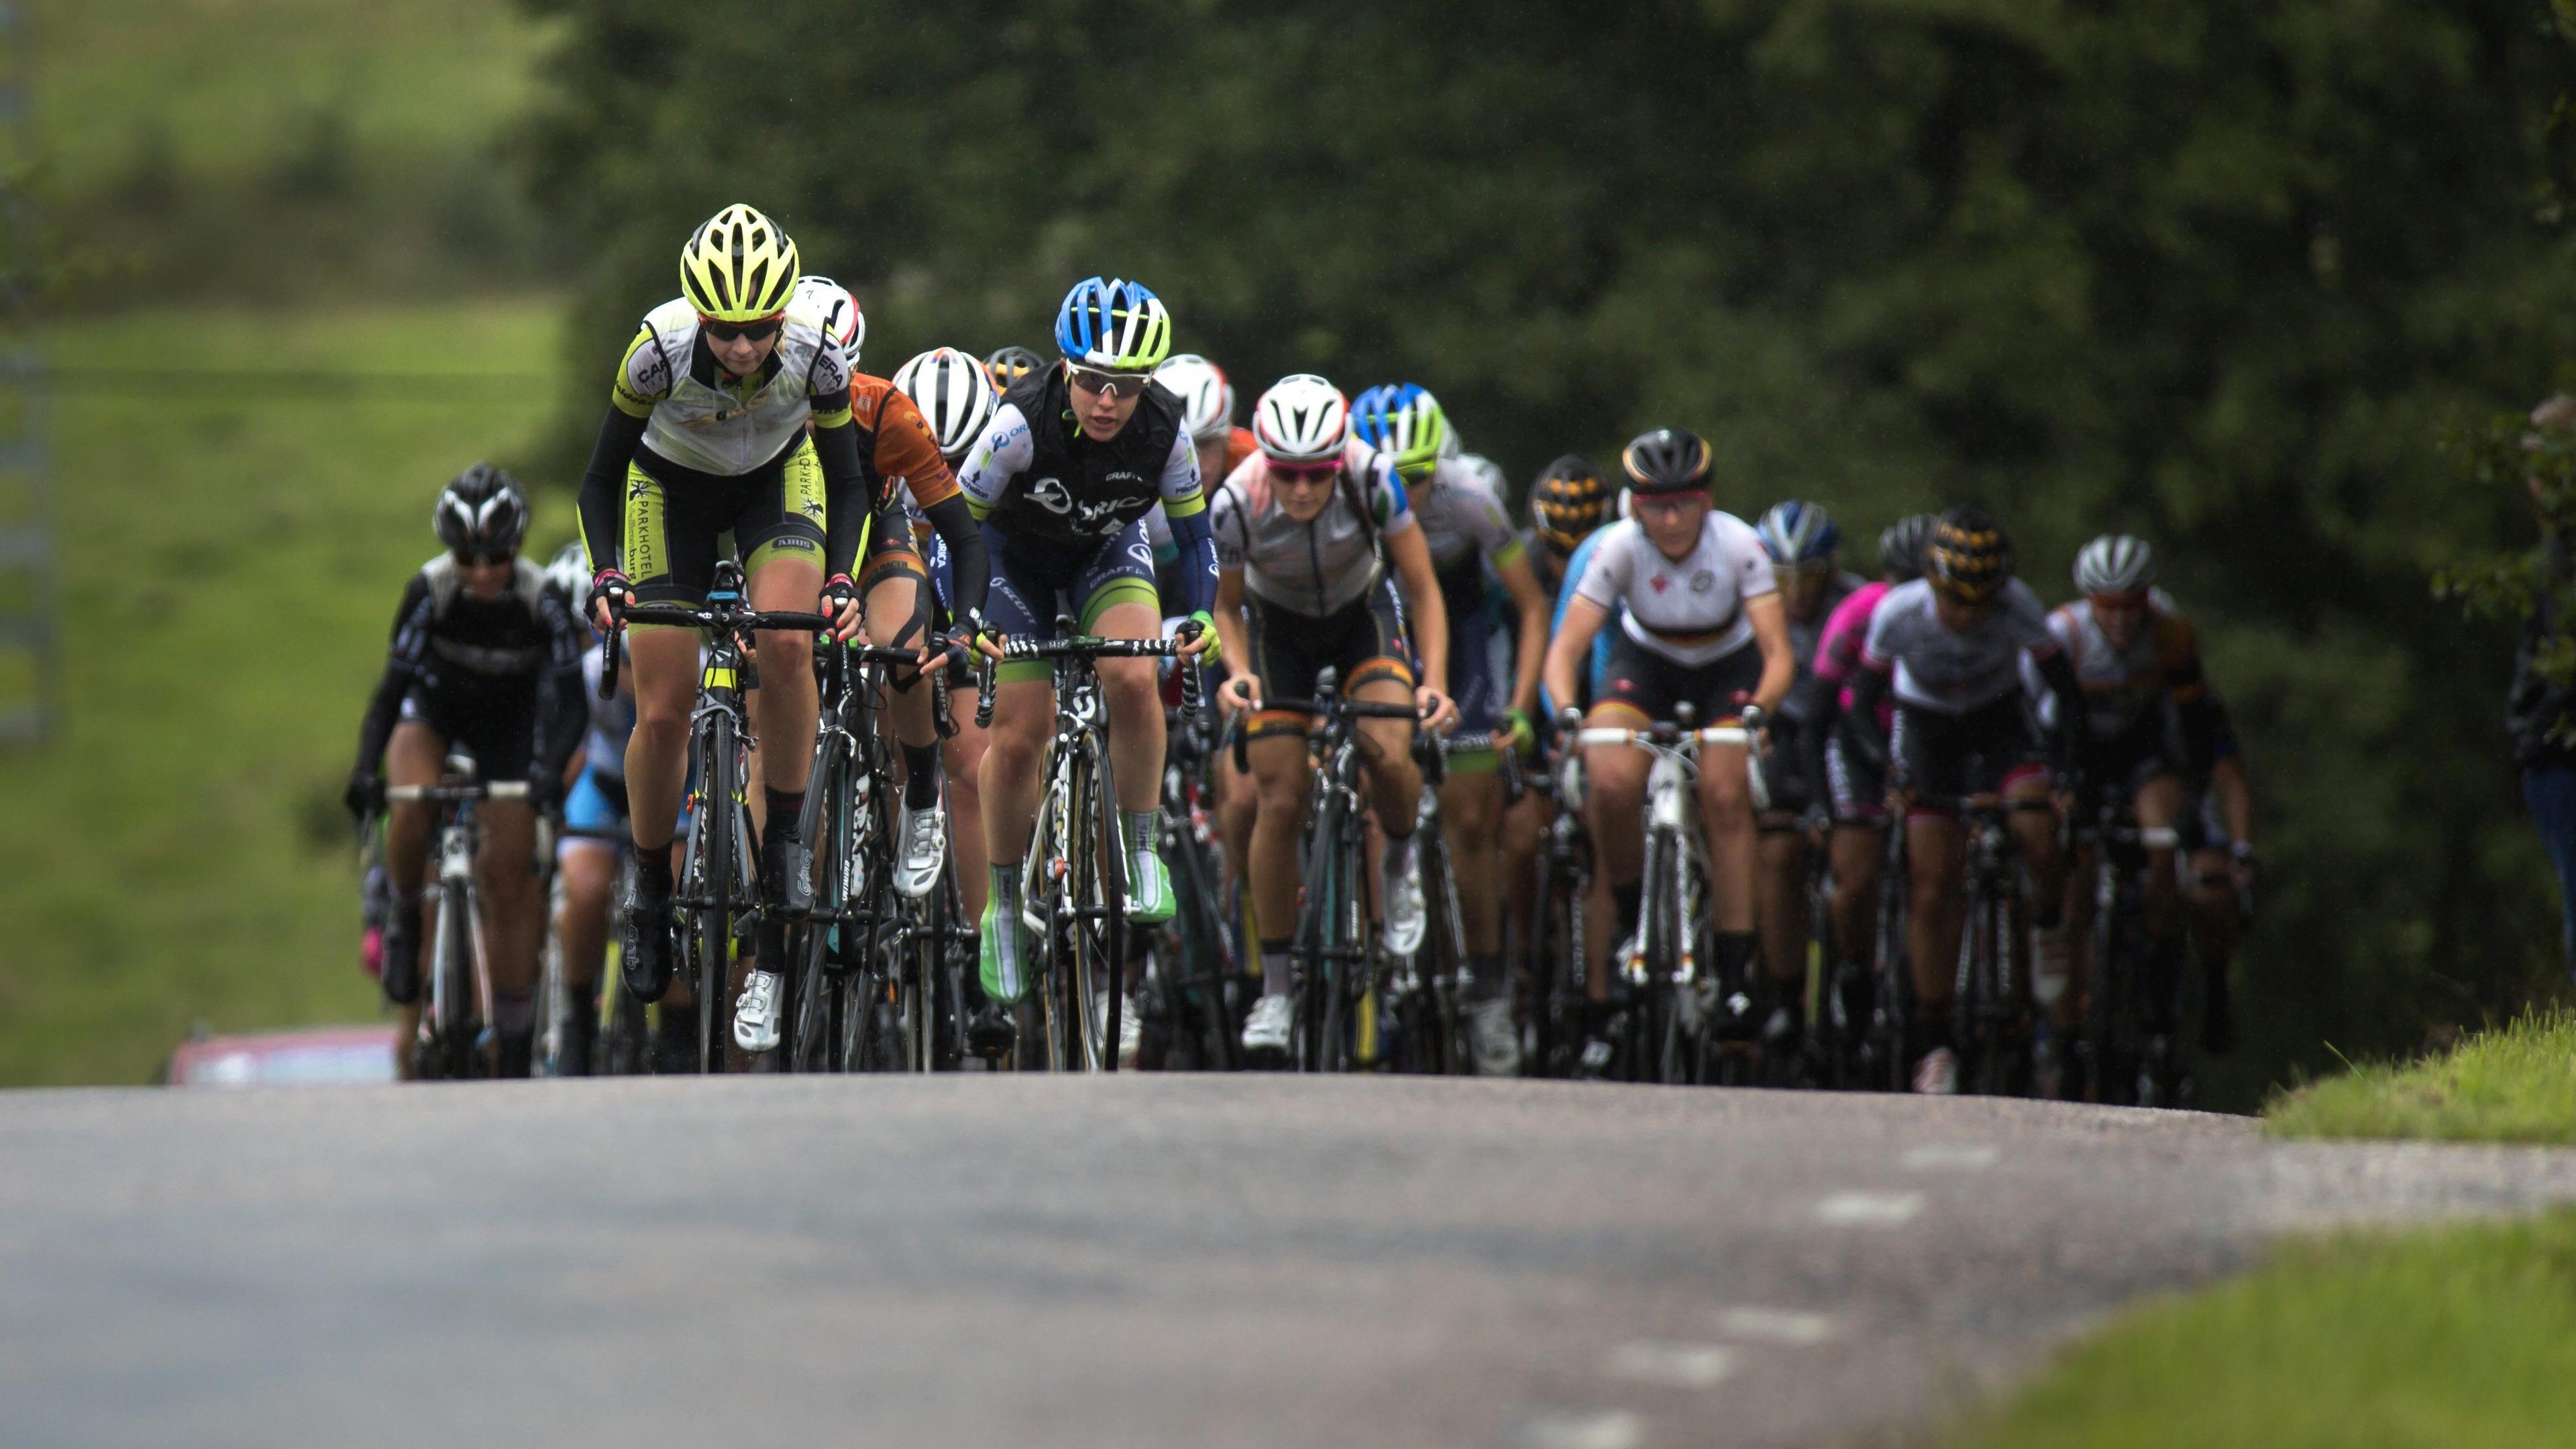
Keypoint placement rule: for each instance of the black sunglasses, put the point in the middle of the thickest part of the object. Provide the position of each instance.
(484, 556)
(1116, 384)
(767, 327)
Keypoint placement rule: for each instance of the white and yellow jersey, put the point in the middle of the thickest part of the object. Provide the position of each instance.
(698, 416)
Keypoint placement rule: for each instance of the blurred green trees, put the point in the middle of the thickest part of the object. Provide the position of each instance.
(2215, 271)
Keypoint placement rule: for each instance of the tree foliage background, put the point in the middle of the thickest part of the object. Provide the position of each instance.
(2220, 272)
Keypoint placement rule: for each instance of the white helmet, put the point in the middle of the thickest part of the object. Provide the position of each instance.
(2115, 564)
(955, 396)
(1451, 450)
(830, 304)
(1207, 399)
(1302, 419)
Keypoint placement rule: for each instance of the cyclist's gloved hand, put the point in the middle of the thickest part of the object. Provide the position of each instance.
(1204, 645)
(610, 593)
(365, 794)
(978, 634)
(841, 603)
(1569, 722)
(543, 787)
(1523, 734)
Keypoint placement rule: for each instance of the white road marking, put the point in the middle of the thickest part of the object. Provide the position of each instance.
(1581, 1429)
(1673, 1365)
(1777, 1325)
(1944, 1156)
(1869, 1209)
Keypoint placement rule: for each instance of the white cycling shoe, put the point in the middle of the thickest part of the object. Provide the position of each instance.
(755, 1016)
(1130, 1024)
(1404, 910)
(1937, 1075)
(1267, 1032)
(1493, 1038)
(924, 834)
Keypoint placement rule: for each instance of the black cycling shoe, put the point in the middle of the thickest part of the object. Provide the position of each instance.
(789, 864)
(580, 1038)
(991, 1033)
(402, 954)
(647, 960)
(2217, 1019)
(517, 1055)
(675, 1041)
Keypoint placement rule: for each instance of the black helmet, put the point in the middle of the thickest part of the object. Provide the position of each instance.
(1968, 557)
(1900, 547)
(1568, 501)
(1667, 460)
(482, 514)
(1010, 364)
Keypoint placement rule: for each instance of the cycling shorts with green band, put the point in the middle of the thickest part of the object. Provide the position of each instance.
(676, 518)
(1033, 582)
(1363, 640)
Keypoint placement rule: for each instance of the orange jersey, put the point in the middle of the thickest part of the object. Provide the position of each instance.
(897, 442)
(1239, 445)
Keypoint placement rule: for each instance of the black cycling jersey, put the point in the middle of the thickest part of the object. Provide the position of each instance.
(521, 648)
(1074, 492)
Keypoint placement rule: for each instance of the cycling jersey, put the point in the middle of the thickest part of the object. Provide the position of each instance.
(1955, 671)
(1239, 445)
(1838, 649)
(1588, 680)
(2123, 687)
(910, 480)
(1805, 635)
(500, 675)
(1688, 610)
(699, 417)
(1318, 567)
(1463, 520)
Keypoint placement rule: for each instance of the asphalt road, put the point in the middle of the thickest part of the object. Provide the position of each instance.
(1136, 1261)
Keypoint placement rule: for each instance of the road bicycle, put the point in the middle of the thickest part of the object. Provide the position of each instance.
(1075, 894)
(718, 899)
(618, 1046)
(1993, 1019)
(1419, 1012)
(455, 1038)
(877, 974)
(2131, 1050)
(1193, 1018)
(1557, 953)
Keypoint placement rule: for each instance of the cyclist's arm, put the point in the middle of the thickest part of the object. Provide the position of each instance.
(563, 716)
(1817, 703)
(2057, 672)
(907, 452)
(1234, 640)
(2235, 797)
(643, 377)
(1530, 653)
(969, 570)
(402, 666)
(1004, 453)
(1869, 690)
(1571, 649)
(1185, 508)
(1429, 612)
(1779, 661)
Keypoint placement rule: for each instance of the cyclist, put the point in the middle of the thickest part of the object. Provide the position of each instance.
(1301, 588)
(1703, 626)
(1805, 546)
(1207, 413)
(485, 658)
(1949, 645)
(2218, 834)
(2147, 711)
(914, 490)
(1855, 788)
(956, 395)
(707, 431)
(1468, 532)
(1075, 456)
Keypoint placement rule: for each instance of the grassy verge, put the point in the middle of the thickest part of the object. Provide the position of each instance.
(2460, 1336)
(232, 551)
(2517, 1084)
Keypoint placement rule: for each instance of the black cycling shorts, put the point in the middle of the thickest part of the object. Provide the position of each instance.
(496, 724)
(2128, 760)
(1947, 757)
(1650, 685)
(1362, 641)
(675, 517)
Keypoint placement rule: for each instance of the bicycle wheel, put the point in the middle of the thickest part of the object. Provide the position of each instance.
(814, 986)
(1892, 1012)
(1442, 963)
(1104, 958)
(716, 850)
(1320, 916)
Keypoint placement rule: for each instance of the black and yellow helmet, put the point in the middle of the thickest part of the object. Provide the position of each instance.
(1569, 500)
(739, 267)
(1968, 557)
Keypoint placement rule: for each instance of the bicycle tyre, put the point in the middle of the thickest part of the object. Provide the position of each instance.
(716, 823)
(1110, 863)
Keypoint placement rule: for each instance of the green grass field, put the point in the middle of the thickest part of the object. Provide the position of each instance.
(232, 553)
(2517, 1084)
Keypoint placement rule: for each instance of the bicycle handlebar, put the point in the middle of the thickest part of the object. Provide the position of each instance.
(458, 794)
(758, 621)
(1084, 648)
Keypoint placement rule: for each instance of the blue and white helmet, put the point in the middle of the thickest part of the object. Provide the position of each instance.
(1112, 323)
(830, 304)
(1404, 419)
(1798, 532)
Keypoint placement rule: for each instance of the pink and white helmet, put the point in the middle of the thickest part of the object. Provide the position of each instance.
(830, 303)
(1207, 399)
(1302, 419)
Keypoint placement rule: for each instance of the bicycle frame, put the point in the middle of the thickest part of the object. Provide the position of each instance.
(454, 1020)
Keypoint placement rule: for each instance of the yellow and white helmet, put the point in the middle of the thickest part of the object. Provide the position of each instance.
(739, 267)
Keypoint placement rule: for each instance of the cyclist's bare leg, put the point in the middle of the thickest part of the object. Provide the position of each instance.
(2034, 835)
(1471, 820)
(786, 706)
(657, 754)
(589, 871)
(1132, 691)
(1780, 872)
(1614, 808)
(1386, 754)
(415, 756)
(1237, 803)
(1859, 852)
(2159, 805)
(894, 621)
(1279, 774)
(1525, 823)
(1726, 811)
(2214, 909)
(506, 869)
(962, 754)
(1022, 711)
(1934, 855)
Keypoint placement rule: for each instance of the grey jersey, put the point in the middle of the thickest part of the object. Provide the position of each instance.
(1955, 671)
(1462, 517)
(1325, 564)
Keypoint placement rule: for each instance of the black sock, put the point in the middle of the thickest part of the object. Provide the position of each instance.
(1626, 901)
(785, 806)
(920, 776)
(653, 865)
(1930, 1027)
(1485, 973)
(1734, 951)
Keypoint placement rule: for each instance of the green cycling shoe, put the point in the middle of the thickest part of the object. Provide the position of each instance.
(1149, 888)
(998, 956)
